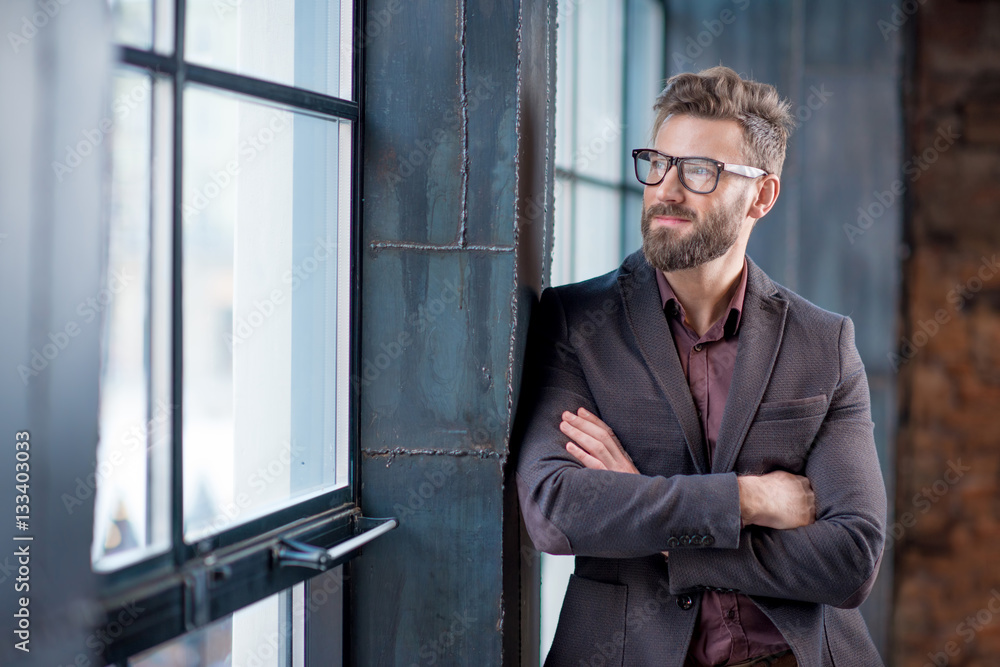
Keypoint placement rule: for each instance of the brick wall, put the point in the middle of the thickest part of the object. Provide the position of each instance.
(946, 540)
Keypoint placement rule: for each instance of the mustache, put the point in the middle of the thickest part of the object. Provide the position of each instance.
(670, 210)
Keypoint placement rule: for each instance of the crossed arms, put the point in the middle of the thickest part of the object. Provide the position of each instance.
(815, 539)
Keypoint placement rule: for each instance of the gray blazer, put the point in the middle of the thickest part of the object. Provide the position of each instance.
(798, 402)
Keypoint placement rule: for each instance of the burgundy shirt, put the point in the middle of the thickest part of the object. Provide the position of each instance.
(730, 627)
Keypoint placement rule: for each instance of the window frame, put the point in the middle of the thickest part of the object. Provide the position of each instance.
(189, 586)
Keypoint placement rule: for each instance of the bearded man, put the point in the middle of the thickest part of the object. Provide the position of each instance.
(698, 436)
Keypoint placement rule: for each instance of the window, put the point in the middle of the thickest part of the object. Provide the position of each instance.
(611, 65)
(225, 471)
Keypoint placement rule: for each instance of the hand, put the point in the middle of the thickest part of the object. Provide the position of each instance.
(777, 500)
(596, 446)
(594, 443)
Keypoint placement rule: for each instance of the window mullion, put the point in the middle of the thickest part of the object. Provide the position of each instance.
(177, 431)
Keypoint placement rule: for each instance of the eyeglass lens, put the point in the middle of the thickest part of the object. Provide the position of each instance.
(696, 174)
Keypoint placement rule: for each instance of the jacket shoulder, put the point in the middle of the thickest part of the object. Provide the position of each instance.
(600, 292)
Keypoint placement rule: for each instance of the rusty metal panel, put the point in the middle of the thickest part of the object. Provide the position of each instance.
(430, 592)
(456, 223)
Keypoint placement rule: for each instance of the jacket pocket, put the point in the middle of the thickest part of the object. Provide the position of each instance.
(799, 408)
(591, 627)
(781, 435)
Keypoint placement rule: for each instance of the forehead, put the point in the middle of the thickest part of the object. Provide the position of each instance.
(687, 136)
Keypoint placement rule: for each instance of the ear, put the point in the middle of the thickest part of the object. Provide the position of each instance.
(766, 196)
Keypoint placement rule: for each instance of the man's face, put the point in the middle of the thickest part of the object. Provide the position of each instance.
(682, 229)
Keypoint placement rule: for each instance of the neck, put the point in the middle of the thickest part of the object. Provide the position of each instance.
(706, 290)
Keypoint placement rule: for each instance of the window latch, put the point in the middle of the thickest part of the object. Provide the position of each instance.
(293, 553)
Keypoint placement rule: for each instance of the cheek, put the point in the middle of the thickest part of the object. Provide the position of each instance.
(648, 197)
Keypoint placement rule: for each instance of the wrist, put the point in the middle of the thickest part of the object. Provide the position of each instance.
(749, 504)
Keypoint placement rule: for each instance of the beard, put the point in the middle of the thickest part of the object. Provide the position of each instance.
(712, 236)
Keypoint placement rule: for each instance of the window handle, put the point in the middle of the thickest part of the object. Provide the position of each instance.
(293, 553)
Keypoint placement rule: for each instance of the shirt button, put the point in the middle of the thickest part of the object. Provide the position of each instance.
(697, 348)
(730, 614)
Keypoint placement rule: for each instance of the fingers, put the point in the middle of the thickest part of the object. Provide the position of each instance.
(589, 441)
(589, 424)
(597, 439)
(591, 418)
(583, 457)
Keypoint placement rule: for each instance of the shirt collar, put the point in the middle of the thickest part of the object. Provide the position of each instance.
(672, 306)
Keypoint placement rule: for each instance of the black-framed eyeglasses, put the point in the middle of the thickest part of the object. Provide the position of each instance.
(698, 174)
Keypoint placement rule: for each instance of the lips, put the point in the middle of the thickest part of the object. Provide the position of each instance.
(669, 221)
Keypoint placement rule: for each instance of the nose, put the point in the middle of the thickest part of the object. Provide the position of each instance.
(670, 188)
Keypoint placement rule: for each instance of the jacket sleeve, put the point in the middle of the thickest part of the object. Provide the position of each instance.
(569, 509)
(835, 560)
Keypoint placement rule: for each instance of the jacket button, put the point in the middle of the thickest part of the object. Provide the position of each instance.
(684, 602)
(707, 541)
(673, 543)
(696, 540)
(685, 540)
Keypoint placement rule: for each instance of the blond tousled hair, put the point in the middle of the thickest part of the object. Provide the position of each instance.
(719, 93)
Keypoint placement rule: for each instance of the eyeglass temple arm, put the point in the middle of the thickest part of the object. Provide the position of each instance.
(742, 170)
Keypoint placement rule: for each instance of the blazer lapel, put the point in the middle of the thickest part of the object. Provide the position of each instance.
(637, 283)
(762, 325)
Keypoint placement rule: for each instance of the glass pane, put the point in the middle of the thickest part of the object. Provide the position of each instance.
(266, 207)
(565, 86)
(163, 25)
(597, 149)
(632, 223)
(303, 43)
(562, 235)
(556, 571)
(257, 635)
(596, 231)
(134, 424)
(645, 73)
(133, 22)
